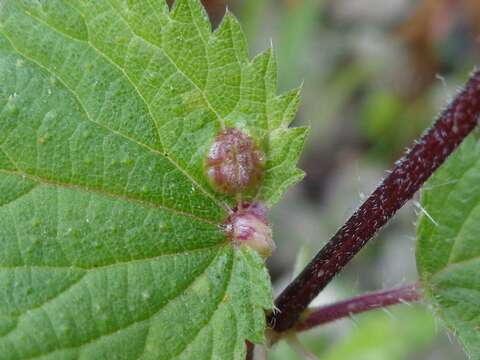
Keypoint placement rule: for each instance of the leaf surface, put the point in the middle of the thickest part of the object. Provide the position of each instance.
(110, 234)
(448, 248)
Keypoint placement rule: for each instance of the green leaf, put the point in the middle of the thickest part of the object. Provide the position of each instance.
(110, 234)
(448, 249)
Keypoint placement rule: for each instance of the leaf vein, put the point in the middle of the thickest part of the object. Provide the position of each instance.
(116, 264)
(173, 161)
(148, 318)
(19, 196)
(217, 306)
(89, 117)
(49, 300)
(144, 202)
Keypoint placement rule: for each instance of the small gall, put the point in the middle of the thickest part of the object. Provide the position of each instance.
(248, 225)
(234, 164)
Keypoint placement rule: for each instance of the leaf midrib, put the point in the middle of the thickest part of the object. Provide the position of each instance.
(115, 264)
(116, 196)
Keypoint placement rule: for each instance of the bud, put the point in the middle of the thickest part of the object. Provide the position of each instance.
(248, 226)
(234, 163)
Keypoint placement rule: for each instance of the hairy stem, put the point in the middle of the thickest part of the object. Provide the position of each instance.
(408, 175)
(324, 314)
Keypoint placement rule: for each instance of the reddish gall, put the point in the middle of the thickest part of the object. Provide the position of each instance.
(234, 163)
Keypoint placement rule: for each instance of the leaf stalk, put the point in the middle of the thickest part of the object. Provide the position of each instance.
(317, 316)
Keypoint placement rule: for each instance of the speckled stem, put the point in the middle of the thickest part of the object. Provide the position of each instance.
(408, 175)
(325, 314)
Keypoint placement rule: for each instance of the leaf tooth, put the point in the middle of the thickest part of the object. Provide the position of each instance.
(264, 67)
(271, 72)
(191, 12)
(286, 145)
(185, 39)
(227, 55)
(160, 7)
(284, 108)
(229, 34)
(256, 89)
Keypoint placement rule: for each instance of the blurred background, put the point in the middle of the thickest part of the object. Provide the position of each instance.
(374, 73)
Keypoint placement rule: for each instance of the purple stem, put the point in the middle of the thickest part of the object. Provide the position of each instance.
(325, 314)
(408, 175)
